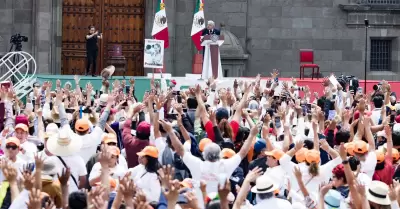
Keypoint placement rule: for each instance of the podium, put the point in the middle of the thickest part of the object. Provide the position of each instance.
(212, 58)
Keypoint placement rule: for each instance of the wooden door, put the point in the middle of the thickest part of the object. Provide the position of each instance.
(120, 21)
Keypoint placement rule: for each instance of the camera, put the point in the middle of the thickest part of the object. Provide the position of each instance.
(298, 88)
(18, 39)
(377, 87)
(350, 80)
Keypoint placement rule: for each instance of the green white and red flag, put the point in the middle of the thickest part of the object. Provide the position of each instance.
(198, 24)
(160, 25)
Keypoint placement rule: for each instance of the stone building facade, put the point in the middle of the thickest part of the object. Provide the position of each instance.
(270, 32)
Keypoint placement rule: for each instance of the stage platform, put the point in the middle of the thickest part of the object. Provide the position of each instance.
(142, 84)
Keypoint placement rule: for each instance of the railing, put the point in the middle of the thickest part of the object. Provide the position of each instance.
(375, 2)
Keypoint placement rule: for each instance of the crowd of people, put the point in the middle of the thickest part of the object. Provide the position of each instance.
(246, 146)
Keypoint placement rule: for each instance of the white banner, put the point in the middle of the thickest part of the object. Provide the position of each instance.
(153, 53)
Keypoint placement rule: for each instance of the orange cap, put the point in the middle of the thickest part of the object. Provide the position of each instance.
(380, 156)
(149, 151)
(301, 155)
(360, 147)
(203, 143)
(187, 183)
(13, 140)
(113, 183)
(109, 138)
(349, 148)
(22, 127)
(312, 156)
(82, 125)
(114, 150)
(395, 154)
(227, 153)
(276, 153)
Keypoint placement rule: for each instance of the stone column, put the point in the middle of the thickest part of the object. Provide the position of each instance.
(43, 40)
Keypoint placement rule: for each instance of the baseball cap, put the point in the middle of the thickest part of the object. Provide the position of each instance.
(301, 155)
(143, 128)
(349, 148)
(221, 113)
(82, 125)
(259, 145)
(149, 151)
(227, 153)
(312, 156)
(203, 143)
(380, 156)
(360, 147)
(109, 138)
(276, 153)
(22, 119)
(13, 140)
(22, 127)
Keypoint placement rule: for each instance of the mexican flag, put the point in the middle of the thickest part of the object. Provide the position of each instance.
(160, 26)
(198, 24)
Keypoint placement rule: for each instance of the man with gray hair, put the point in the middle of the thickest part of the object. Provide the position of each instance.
(210, 30)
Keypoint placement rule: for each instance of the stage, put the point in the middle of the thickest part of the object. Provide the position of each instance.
(142, 83)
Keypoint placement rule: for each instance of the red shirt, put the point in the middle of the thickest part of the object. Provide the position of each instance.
(386, 174)
(210, 131)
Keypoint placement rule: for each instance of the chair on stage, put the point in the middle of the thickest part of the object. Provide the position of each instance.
(116, 58)
(307, 61)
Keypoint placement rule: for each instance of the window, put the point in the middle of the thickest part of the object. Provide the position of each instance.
(381, 54)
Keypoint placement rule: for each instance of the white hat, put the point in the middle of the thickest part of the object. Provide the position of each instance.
(50, 170)
(51, 129)
(378, 193)
(103, 98)
(263, 185)
(64, 143)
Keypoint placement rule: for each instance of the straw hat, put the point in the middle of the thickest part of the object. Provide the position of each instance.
(110, 70)
(263, 185)
(64, 143)
(378, 193)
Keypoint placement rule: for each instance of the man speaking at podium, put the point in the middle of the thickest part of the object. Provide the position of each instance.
(210, 30)
(211, 40)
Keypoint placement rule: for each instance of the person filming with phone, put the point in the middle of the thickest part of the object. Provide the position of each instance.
(92, 48)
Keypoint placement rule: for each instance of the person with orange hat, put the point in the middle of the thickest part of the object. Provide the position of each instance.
(384, 170)
(275, 170)
(27, 149)
(145, 174)
(12, 145)
(82, 128)
(108, 160)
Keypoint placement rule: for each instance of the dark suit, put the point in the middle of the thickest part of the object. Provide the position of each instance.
(209, 32)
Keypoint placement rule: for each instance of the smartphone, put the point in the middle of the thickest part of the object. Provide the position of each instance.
(360, 90)
(127, 89)
(334, 97)
(5, 84)
(308, 108)
(172, 116)
(321, 136)
(278, 122)
(184, 110)
(69, 110)
(176, 93)
(179, 99)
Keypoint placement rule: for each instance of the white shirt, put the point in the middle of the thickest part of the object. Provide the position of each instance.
(30, 150)
(376, 115)
(18, 165)
(116, 172)
(77, 166)
(89, 143)
(311, 183)
(368, 166)
(210, 171)
(279, 176)
(274, 203)
(146, 181)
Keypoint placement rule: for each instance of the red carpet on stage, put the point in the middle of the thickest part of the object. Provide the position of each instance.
(316, 85)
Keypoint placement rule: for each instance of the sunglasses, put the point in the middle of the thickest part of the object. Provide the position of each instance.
(13, 147)
(112, 144)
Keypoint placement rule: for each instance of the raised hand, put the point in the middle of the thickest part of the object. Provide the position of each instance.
(104, 157)
(34, 199)
(166, 125)
(254, 174)
(64, 178)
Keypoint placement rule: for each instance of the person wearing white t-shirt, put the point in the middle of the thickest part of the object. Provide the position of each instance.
(27, 149)
(275, 170)
(116, 171)
(11, 154)
(213, 168)
(64, 147)
(367, 157)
